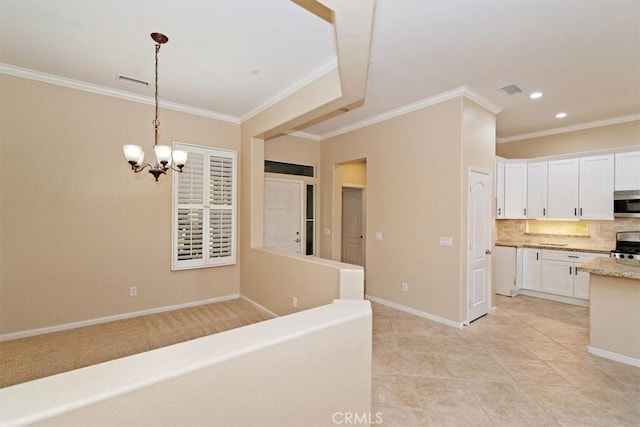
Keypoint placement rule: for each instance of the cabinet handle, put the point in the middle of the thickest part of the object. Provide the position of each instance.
(544, 211)
(525, 211)
(573, 256)
(580, 211)
(537, 254)
(499, 211)
(570, 272)
(575, 212)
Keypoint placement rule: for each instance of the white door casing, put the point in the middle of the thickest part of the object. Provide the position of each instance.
(479, 238)
(352, 226)
(283, 215)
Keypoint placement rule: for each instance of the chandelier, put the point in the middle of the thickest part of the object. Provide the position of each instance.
(164, 155)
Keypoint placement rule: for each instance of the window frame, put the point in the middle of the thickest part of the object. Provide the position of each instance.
(206, 261)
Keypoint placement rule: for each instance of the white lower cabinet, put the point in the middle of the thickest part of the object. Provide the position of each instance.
(532, 269)
(560, 273)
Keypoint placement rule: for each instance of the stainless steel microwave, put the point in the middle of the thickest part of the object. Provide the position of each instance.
(626, 204)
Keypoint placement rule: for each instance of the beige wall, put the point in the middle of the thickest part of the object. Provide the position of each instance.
(290, 371)
(263, 273)
(354, 174)
(293, 149)
(600, 138)
(614, 315)
(416, 192)
(77, 226)
(478, 152)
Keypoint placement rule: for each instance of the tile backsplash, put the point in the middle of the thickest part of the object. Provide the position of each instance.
(601, 235)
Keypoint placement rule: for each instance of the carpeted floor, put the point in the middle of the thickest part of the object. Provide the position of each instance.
(40, 356)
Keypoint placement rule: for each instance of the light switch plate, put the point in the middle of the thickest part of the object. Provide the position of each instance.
(446, 241)
(378, 235)
(327, 231)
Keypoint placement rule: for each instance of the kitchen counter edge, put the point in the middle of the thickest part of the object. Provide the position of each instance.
(552, 247)
(609, 267)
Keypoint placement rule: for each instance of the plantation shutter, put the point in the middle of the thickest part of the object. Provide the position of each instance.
(204, 206)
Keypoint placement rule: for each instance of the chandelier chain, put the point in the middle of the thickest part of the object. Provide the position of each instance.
(155, 122)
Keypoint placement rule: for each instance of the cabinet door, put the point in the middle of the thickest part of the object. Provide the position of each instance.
(557, 277)
(515, 190)
(532, 269)
(562, 189)
(580, 283)
(499, 190)
(596, 187)
(537, 190)
(627, 175)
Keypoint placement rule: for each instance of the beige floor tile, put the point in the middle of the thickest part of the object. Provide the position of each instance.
(567, 335)
(448, 419)
(463, 347)
(569, 405)
(385, 341)
(393, 391)
(521, 422)
(423, 343)
(529, 371)
(381, 325)
(584, 374)
(551, 351)
(415, 326)
(454, 400)
(397, 417)
(388, 362)
(509, 400)
(478, 369)
(426, 364)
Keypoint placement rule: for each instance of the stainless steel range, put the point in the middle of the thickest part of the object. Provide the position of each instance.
(627, 249)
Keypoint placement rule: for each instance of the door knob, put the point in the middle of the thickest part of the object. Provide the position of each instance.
(488, 252)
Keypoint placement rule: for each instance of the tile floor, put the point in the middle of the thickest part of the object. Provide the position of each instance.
(524, 365)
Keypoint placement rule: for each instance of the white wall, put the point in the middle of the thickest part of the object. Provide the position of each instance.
(293, 370)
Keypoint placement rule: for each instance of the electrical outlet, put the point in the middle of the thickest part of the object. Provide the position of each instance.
(446, 241)
(133, 291)
(294, 302)
(404, 287)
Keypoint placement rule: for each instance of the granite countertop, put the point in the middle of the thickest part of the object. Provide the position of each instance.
(609, 267)
(569, 247)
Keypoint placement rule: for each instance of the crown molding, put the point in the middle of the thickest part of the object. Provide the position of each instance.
(463, 91)
(306, 135)
(115, 93)
(296, 86)
(573, 128)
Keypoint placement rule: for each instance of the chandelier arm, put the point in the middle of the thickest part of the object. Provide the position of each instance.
(140, 168)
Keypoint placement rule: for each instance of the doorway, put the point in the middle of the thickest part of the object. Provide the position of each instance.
(352, 226)
(479, 237)
(282, 215)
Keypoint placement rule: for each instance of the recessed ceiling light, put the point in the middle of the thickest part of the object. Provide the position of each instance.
(535, 95)
(561, 115)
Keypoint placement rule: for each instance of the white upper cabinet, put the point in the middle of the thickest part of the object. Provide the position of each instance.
(499, 190)
(515, 190)
(596, 187)
(627, 171)
(562, 189)
(537, 190)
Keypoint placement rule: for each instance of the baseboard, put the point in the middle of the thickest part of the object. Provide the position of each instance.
(261, 307)
(73, 325)
(556, 298)
(617, 357)
(418, 313)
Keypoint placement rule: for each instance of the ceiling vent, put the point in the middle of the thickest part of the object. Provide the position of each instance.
(511, 89)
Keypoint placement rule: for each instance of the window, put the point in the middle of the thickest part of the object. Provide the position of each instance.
(310, 222)
(288, 168)
(204, 209)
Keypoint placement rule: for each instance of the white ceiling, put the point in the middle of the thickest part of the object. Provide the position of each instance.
(583, 55)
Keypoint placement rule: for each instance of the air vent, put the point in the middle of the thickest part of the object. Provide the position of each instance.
(131, 80)
(511, 89)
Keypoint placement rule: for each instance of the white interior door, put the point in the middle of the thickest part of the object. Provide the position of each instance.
(352, 226)
(282, 216)
(479, 236)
